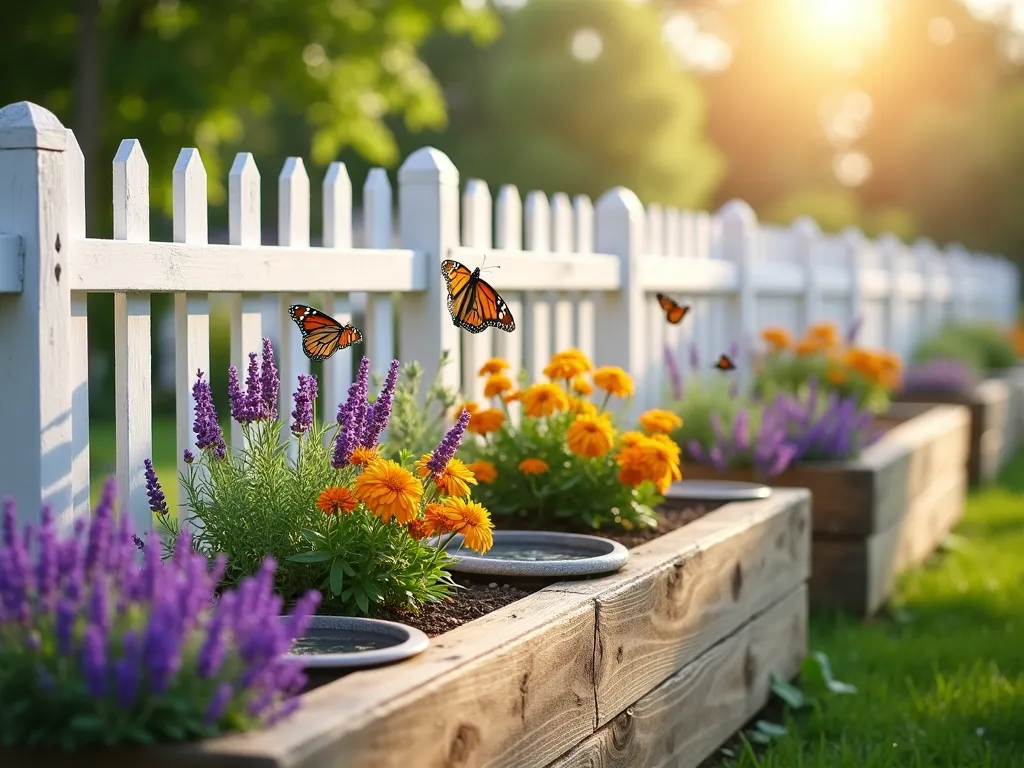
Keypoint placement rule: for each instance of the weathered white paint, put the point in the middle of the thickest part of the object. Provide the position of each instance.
(132, 353)
(35, 325)
(587, 277)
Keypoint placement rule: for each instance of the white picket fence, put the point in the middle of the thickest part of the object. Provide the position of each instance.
(573, 274)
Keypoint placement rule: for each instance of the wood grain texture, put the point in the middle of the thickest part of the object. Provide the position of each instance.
(746, 557)
(691, 713)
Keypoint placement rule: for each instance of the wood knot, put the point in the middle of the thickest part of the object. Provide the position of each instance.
(749, 670)
(780, 540)
(675, 577)
(618, 654)
(737, 582)
(57, 245)
(56, 272)
(623, 730)
(467, 737)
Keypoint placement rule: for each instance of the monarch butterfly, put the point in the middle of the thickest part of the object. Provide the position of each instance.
(674, 312)
(322, 335)
(725, 363)
(474, 304)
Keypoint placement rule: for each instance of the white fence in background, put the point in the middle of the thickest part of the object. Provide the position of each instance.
(574, 274)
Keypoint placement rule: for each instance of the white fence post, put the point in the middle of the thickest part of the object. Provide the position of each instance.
(740, 245)
(931, 308)
(79, 337)
(889, 252)
(337, 233)
(853, 247)
(619, 218)
(508, 235)
(35, 325)
(428, 194)
(133, 358)
(379, 326)
(961, 279)
(806, 234)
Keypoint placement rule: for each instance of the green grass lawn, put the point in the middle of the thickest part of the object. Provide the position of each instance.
(940, 679)
(102, 456)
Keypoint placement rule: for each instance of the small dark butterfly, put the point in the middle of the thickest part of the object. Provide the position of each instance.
(674, 311)
(725, 363)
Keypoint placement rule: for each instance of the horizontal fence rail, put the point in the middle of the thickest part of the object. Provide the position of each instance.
(573, 273)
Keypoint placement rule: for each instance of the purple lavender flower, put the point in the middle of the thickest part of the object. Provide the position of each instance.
(939, 375)
(351, 415)
(304, 397)
(675, 377)
(188, 457)
(253, 392)
(138, 542)
(270, 385)
(94, 661)
(157, 500)
(206, 427)
(235, 395)
(449, 444)
(218, 703)
(854, 330)
(694, 357)
(379, 413)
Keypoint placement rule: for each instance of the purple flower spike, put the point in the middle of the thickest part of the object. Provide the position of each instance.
(694, 357)
(304, 396)
(741, 430)
(674, 375)
(449, 444)
(379, 413)
(206, 427)
(157, 500)
(235, 396)
(854, 330)
(253, 392)
(188, 456)
(270, 385)
(351, 416)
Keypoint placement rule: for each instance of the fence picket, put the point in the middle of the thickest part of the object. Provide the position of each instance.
(379, 328)
(564, 331)
(337, 233)
(583, 220)
(537, 309)
(508, 236)
(80, 481)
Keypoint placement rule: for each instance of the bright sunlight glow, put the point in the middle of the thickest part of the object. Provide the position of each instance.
(840, 24)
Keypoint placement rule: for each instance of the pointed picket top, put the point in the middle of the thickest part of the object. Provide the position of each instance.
(377, 210)
(131, 192)
(537, 215)
(476, 215)
(293, 203)
(337, 206)
(508, 229)
(618, 199)
(655, 230)
(619, 223)
(244, 201)
(583, 214)
(190, 213)
(738, 214)
(25, 125)
(673, 226)
(75, 160)
(561, 223)
(806, 227)
(428, 164)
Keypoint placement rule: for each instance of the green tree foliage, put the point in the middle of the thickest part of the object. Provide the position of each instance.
(527, 111)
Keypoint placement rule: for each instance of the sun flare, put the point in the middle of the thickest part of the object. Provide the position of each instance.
(854, 24)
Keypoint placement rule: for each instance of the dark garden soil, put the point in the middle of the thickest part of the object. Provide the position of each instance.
(470, 601)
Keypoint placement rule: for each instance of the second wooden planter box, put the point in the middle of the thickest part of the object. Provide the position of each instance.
(993, 407)
(883, 513)
(656, 664)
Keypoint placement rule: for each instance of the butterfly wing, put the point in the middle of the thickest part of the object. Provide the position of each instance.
(725, 363)
(674, 312)
(322, 335)
(473, 303)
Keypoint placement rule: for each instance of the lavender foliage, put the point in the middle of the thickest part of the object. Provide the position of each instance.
(939, 375)
(103, 644)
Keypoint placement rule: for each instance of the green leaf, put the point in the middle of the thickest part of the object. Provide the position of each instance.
(311, 557)
(337, 576)
(793, 697)
(314, 537)
(362, 601)
(770, 729)
(759, 738)
(817, 671)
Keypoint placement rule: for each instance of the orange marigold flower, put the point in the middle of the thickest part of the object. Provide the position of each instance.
(660, 420)
(336, 500)
(389, 490)
(590, 436)
(582, 407)
(484, 471)
(823, 332)
(581, 386)
(614, 381)
(467, 406)
(776, 337)
(471, 519)
(362, 456)
(544, 399)
(435, 520)
(808, 347)
(493, 366)
(454, 480)
(533, 466)
(835, 376)
(653, 457)
(512, 397)
(419, 529)
(630, 439)
(567, 365)
(497, 384)
(486, 421)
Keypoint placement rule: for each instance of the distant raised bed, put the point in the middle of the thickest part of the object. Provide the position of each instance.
(660, 662)
(993, 429)
(877, 516)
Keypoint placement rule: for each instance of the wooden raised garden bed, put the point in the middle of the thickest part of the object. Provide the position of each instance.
(658, 663)
(883, 513)
(993, 428)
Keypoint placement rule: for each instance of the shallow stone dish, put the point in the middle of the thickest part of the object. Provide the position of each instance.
(353, 643)
(718, 490)
(544, 554)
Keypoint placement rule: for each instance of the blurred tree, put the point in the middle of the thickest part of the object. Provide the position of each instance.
(577, 97)
(306, 77)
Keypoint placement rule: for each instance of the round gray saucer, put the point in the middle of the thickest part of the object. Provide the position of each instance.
(718, 490)
(351, 643)
(541, 554)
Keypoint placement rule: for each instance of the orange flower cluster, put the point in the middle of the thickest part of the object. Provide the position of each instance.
(1017, 339)
(649, 457)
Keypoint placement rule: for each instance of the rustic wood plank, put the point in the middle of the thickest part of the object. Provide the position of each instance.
(683, 720)
(747, 557)
(858, 574)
